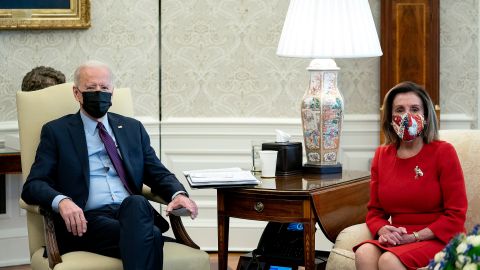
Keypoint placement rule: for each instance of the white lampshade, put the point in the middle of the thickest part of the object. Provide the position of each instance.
(329, 29)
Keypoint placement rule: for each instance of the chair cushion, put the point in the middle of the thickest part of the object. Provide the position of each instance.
(176, 257)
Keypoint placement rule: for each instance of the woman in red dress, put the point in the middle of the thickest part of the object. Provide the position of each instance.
(417, 192)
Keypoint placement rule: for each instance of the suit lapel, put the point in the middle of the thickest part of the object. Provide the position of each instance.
(119, 130)
(120, 135)
(77, 133)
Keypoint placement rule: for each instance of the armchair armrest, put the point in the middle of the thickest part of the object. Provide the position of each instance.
(53, 252)
(29, 207)
(178, 229)
(147, 193)
(351, 236)
(342, 256)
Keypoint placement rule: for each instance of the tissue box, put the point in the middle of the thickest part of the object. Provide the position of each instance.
(289, 158)
(12, 141)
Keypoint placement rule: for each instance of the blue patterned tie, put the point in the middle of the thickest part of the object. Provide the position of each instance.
(113, 154)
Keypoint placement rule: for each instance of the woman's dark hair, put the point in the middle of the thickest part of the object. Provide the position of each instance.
(430, 131)
(41, 77)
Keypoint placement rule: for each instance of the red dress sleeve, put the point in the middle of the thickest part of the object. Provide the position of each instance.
(376, 216)
(454, 195)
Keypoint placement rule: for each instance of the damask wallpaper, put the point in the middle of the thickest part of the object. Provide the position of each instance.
(218, 58)
(459, 66)
(124, 34)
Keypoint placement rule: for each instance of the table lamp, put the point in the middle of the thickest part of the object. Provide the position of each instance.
(322, 30)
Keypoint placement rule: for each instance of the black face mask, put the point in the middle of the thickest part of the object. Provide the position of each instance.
(96, 103)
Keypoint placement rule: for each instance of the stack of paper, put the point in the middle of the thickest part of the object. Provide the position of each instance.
(220, 177)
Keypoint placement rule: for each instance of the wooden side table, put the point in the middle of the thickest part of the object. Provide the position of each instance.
(9, 163)
(334, 201)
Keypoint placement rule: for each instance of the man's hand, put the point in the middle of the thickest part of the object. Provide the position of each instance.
(183, 201)
(73, 217)
(392, 236)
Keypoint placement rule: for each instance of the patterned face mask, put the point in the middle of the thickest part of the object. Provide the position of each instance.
(408, 126)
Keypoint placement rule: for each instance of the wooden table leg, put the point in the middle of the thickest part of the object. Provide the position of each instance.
(223, 228)
(309, 244)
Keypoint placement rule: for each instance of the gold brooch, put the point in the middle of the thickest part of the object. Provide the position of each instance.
(418, 172)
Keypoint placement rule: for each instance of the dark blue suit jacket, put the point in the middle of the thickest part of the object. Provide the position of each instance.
(61, 164)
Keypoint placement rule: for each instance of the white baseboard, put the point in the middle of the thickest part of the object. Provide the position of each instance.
(14, 250)
(13, 229)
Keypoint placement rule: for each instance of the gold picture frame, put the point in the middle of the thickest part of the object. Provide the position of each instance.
(75, 16)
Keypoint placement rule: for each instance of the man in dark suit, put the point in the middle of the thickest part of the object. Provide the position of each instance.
(90, 168)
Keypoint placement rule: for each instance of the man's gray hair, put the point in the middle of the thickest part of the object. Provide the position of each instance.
(90, 64)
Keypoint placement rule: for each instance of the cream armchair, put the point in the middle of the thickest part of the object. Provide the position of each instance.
(467, 145)
(36, 108)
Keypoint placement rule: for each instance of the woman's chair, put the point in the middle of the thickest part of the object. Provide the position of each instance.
(467, 145)
(38, 107)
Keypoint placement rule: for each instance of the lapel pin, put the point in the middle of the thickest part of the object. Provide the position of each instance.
(418, 172)
(120, 126)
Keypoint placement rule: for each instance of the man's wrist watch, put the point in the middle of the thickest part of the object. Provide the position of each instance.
(417, 237)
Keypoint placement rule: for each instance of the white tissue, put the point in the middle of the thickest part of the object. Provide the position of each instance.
(282, 136)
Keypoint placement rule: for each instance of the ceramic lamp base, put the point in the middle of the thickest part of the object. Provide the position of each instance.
(322, 169)
(322, 112)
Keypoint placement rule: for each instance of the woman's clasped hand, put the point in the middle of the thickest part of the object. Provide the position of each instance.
(394, 236)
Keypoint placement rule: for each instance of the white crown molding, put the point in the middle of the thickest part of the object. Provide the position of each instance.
(353, 123)
(177, 125)
(457, 121)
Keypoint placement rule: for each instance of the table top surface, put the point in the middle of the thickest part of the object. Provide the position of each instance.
(309, 182)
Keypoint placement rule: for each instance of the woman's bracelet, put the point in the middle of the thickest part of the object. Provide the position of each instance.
(417, 237)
